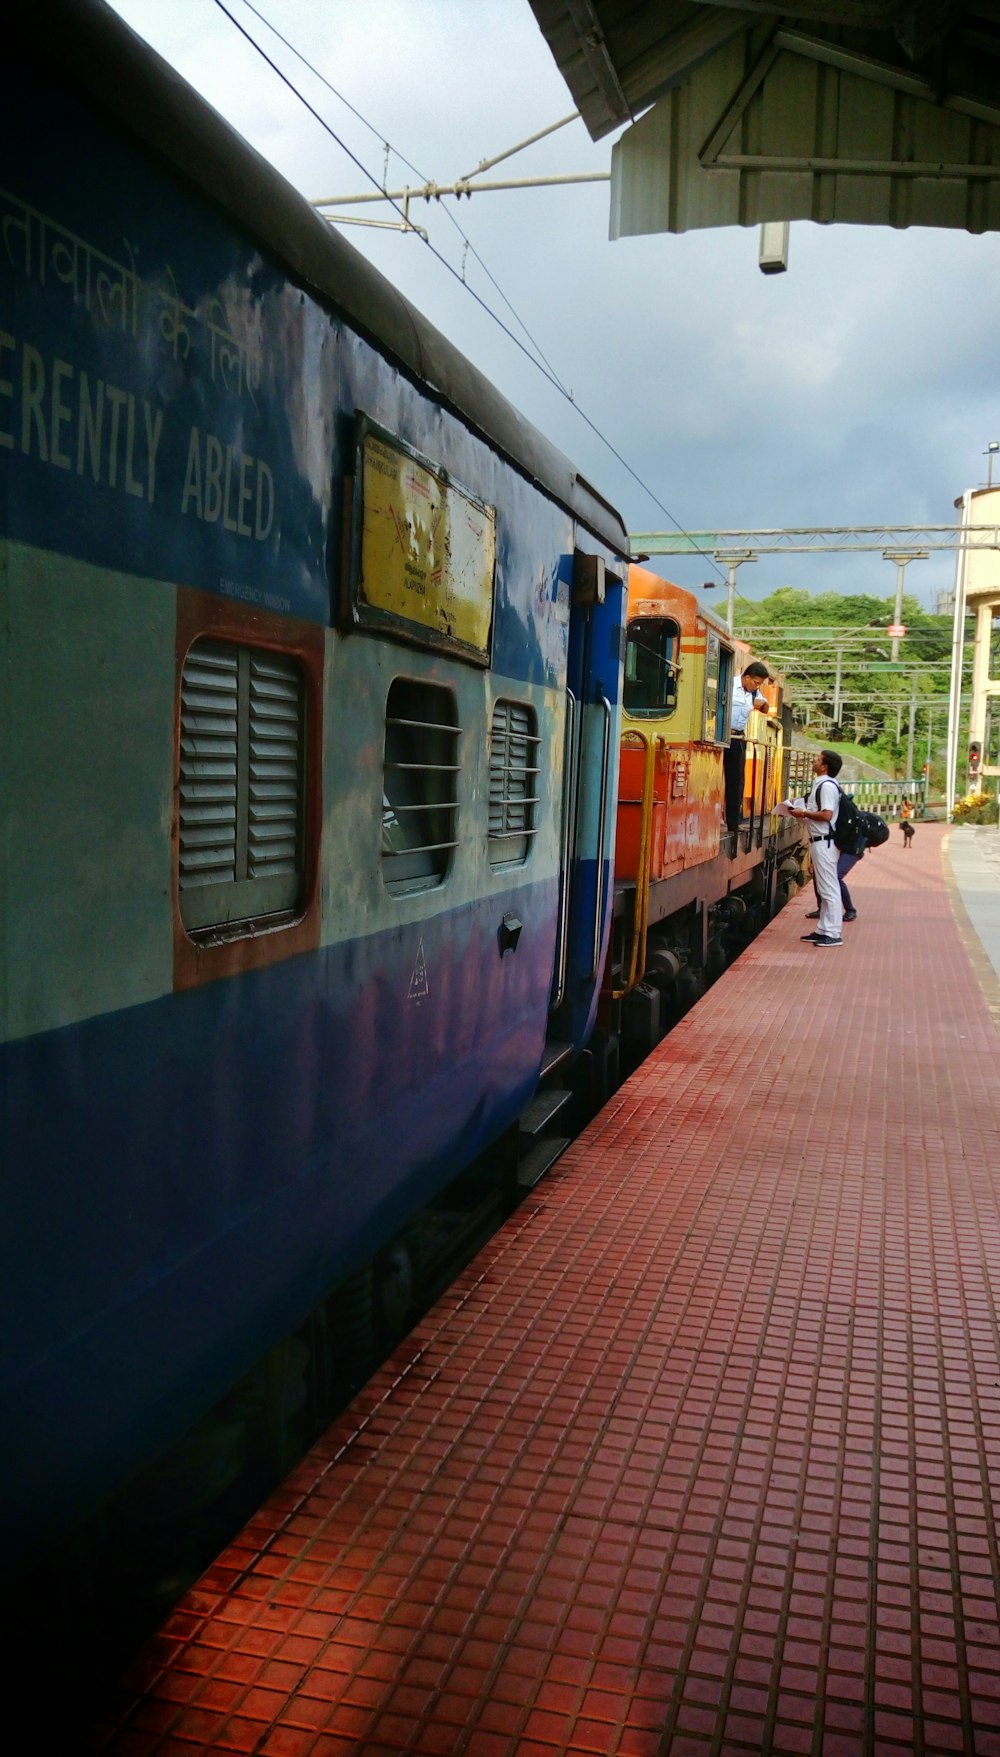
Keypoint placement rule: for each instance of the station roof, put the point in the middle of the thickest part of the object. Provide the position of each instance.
(873, 111)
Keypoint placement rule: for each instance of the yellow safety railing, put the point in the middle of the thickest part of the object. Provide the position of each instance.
(640, 920)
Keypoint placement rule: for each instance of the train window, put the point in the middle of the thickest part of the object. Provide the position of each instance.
(723, 717)
(514, 774)
(718, 689)
(420, 785)
(652, 652)
(242, 781)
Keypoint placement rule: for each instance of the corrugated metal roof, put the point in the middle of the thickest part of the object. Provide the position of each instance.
(753, 117)
(617, 56)
(736, 145)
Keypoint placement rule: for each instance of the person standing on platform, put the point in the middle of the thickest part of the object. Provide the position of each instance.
(819, 813)
(746, 697)
(845, 864)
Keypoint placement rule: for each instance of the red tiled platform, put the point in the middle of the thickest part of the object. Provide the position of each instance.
(702, 1454)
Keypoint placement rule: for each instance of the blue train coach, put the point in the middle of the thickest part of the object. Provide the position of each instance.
(311, 654)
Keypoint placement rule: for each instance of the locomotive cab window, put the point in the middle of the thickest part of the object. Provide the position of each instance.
(420, 785)
(514, 774)
(652, 668)
(242, 783)
(718, 689)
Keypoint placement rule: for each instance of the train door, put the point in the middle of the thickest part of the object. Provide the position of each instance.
(650, 700)
(705, 815)
(590, 788)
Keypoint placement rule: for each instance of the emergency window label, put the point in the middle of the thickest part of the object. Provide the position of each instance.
(427, 552)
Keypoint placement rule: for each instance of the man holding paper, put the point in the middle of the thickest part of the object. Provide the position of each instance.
(819, 813)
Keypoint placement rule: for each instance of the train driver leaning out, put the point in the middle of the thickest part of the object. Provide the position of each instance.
(819, 812)
(746, 697)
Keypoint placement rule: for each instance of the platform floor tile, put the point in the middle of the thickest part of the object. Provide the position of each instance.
(702, 1454)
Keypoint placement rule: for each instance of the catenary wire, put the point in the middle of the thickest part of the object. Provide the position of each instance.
(546, 371)
(467, 241)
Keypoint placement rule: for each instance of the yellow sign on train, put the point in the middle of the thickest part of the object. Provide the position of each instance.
(427, 552)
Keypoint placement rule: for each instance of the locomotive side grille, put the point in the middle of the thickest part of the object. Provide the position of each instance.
(514, 774)
(419, 786)
(242, 773)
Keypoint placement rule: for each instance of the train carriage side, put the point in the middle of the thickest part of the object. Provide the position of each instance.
(303, 629)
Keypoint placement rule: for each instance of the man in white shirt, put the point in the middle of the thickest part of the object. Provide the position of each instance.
(746, 697)
(819, 813)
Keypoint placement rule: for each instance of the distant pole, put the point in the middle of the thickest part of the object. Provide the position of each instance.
(957, 655)
(930, 728)
(731, 559)
(913, 723)
(837, 706)
(898, 611)
(902, 558)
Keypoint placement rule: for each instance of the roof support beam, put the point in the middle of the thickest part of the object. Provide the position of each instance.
(594, 49)
(879, 73)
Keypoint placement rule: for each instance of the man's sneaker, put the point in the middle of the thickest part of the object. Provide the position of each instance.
(813, 937)
(813, 915)
(823, 939)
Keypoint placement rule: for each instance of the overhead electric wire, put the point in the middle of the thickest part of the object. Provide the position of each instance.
(538, 361)
(467, 241)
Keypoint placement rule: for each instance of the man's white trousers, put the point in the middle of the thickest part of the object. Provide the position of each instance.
(824, 856)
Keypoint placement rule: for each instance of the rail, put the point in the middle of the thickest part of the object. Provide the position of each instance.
(800, 773)
(887, 797)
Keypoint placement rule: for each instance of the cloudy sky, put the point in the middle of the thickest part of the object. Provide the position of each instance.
(858, 388)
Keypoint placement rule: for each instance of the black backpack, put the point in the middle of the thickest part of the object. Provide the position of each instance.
(847, 834)
(857, 830)
(876, 830)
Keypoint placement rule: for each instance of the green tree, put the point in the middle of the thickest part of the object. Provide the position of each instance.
(875, 695)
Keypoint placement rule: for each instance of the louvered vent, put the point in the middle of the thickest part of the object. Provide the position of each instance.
(242, 771)
(514, 771)
(275, 766)
(208, 779)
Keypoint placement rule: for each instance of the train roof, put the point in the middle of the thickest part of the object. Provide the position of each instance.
(97, 51)
(647, 587)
